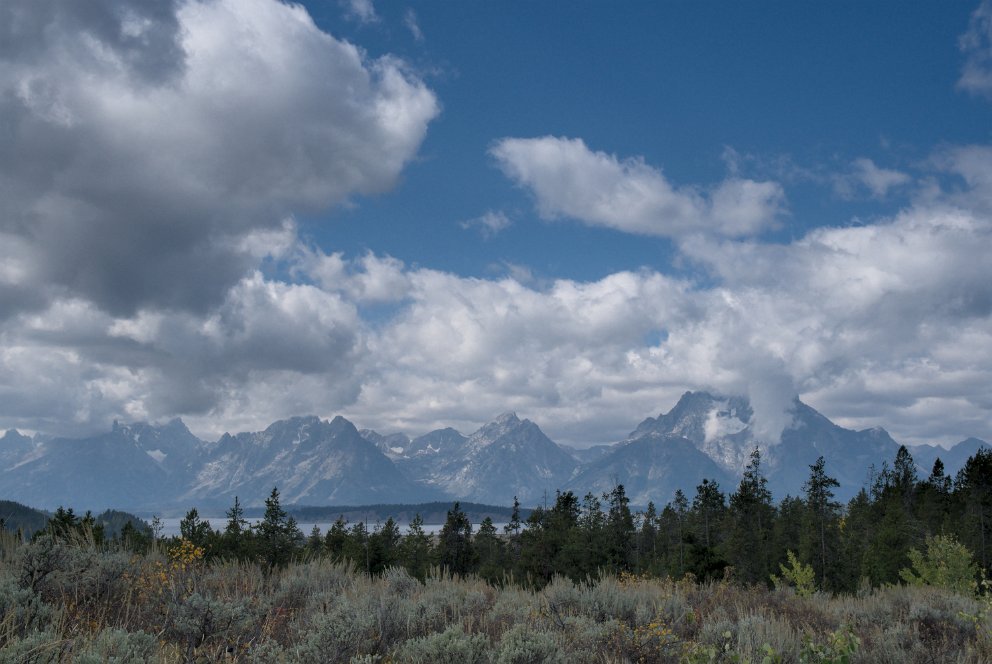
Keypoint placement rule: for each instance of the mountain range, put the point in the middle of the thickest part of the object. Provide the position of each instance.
(321, 462)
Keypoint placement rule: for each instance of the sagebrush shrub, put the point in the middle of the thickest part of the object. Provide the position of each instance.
(118, 646)
(452, 646)
(524, 645)
(35, 648)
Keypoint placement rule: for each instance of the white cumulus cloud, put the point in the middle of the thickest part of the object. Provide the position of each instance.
(570, 180)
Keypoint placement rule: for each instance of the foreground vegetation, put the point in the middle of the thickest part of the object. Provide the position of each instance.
(898, 575)
(71, 601)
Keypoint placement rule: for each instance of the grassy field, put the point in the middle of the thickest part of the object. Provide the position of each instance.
(72, 602)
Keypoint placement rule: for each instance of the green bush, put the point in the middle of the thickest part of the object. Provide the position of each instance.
(946, 564)
(797, 575)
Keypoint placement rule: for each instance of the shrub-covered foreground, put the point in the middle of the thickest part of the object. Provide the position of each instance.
(68, 601)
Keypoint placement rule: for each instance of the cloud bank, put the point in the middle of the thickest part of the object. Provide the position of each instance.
(882, 324)
(144, 141)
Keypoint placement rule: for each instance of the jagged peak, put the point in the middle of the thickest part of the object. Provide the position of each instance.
(296, 420)
(509, 417)
(174, 424)
(13, 434)
(177, 424)
(341, 423)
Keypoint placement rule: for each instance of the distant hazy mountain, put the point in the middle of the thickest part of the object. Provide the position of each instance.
(953, 458)
(114, 469)
(177, 451)
(14, 448)
(651, 467)
(392, 445)
(441, 442)
(507, 457)
(586, 455)
(312, 461)
(713, 437)
(424, 454)
(320, 462)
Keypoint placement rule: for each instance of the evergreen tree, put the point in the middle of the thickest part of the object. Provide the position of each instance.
(277, 534)
(569, 554)
(856, 530)
(336, 539)
(454, 547)
(194, 529)
(620, 531)
(680, 508)
(416, 549)
(934, 501)
(708, 509)
(512, 532)
(315, 542)
(62, 524)
(536, 549)
(91, 529)
(973, 494)
(591, 535)
(490, 551)
(823, 517)
(356, 547)
(895, 527)
(751, 517)
(133, 538)
(512, 526)
(647, 541)
(236, 538)
(905, 482)
(553, 542)
(384, 547)
(940, 481)
(236, 522)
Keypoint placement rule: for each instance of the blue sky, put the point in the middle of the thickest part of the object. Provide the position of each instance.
(812, 85)
(424, 214)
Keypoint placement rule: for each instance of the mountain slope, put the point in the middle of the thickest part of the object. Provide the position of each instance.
(393, 445)
(15, 448)
(507, 457)
(707, 436)
(651, 467)
(109, 470)
(311, 461)
(953, 458)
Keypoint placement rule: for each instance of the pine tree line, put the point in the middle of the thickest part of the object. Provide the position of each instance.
(744, 536)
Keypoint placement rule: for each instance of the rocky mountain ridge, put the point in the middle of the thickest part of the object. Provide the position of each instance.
(326, 462)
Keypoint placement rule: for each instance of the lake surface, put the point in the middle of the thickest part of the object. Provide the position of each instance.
(170, 526)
